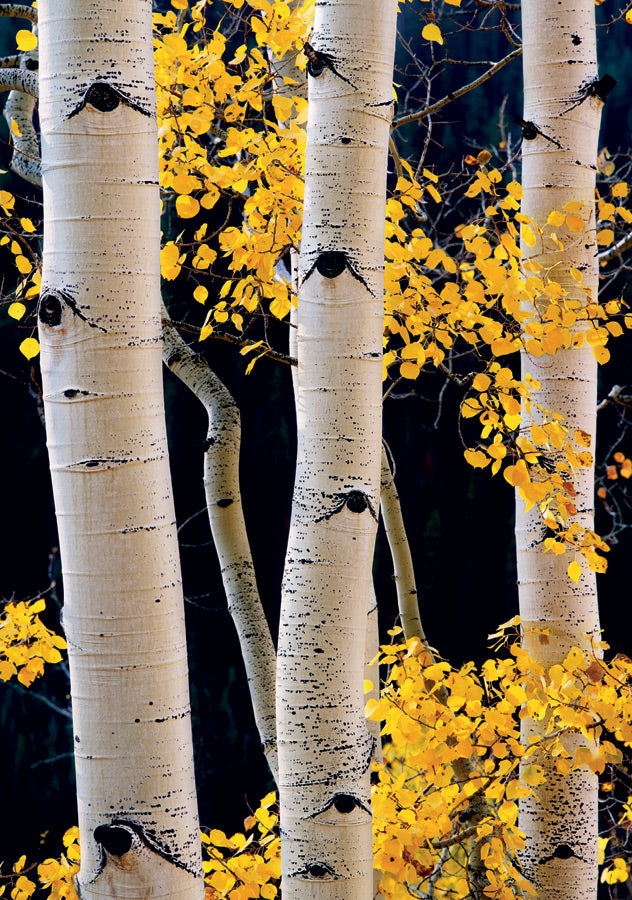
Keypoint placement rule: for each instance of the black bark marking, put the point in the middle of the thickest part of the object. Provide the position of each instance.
(75, 392)
(344, 804)
(31, 64)
(316, 871)
(224, 503)
(562, 851)
(599, 87)
(106, 98)
(356, 502)
(318, 61)
(117, 838)
(575, 38)
(114, 838)
(332, 263)
(530, 131)
(51, 307)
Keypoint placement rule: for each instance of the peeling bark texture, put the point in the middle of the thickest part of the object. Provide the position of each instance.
(403, 571)
(325, 748)
(100, 333)
(225, 512)
(556, 170)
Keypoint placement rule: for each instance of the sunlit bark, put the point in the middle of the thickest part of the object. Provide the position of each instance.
(100, 332)
(559, 164)
(325, 748)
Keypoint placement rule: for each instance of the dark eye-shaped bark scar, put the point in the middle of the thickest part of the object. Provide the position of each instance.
(562, 851)
(117, 838)
(106, 98)
(530, 131)
(318, 61)
(316, 871)
(51, 307)
(599, 87)
(344, 804)
(355, 501)
(332, 263)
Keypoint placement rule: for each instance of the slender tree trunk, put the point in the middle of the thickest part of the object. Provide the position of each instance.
(560, 62)
(325, 748)
(100, 331)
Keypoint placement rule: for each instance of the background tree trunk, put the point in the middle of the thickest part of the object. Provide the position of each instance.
(100, 331)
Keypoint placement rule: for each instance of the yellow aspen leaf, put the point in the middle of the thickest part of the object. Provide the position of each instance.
(476, 458)
(514, 188)
(574, 223)
(179, 4)
(268, 891)
(574, 571)
(601, 354)
(23, 265)
(19, 865)
(533, 775)
(555, 218)
(200, 293)
(605, 237)
(25, 40)
(517, 475)
(527, 235)
(281, 306)
(538, 436)
(582, 437)
(407, 369)
(16, 310)
(516, 695)
(481, 382)
(15, 128)
(620, 189)
(29, 347)
(508, 812)
(432, 32)
(186, 206)
(27, 225)
(576, 275)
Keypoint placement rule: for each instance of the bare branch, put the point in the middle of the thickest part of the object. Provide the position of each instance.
(18, 11)
(435, 107)
(19, 80)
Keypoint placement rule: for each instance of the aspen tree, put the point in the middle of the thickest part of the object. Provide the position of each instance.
(100, 334)
(325, 748)
(562, 112)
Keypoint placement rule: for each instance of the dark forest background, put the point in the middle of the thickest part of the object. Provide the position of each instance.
(460, 521)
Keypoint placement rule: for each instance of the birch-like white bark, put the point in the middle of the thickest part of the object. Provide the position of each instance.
(325, 748)
(559, 164)
(100, 332)
(225, 512)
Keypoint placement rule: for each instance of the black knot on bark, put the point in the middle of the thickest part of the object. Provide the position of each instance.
(115, 839)
(102, 96)
(331, 263)
(344, 803)
(50, 310)
(318, 870)
(357, 502)
(32, 65)
(563, 851)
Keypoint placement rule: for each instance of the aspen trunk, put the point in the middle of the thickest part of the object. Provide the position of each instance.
(560, 62)
(100, 331)
(325, 748)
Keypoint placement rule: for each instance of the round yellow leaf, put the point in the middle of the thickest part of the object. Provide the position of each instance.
(23, 265)
(432, 32)
(187, 207)
(574, 223)
(29, 347)
(409, 370)
(555, 218)
(574, 571)
(26, 40)
(200, 293)
(527, 235)
(16, 310)
(605, 237)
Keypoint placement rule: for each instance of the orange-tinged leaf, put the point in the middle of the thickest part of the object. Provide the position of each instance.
(574, 223)
(620, 189)
(605, 237)
(527, 235)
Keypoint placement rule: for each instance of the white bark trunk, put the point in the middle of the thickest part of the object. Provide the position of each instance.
(100, 332)
(325, 748)
(560, 62)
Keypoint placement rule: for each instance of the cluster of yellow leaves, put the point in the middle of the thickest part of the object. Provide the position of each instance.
(18, 237)
(199, 91)
(26, 644)
(55, 876)
(455, 742)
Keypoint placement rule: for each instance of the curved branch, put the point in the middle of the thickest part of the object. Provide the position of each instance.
(223, 501)
(18, 11)
(623, 244)
(454, 95)
(13, 79)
